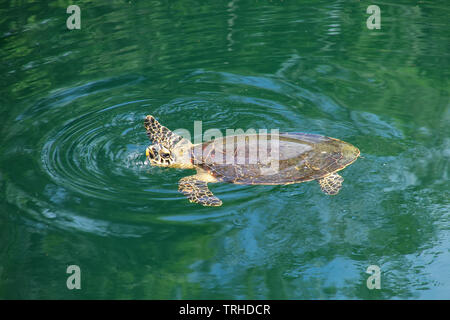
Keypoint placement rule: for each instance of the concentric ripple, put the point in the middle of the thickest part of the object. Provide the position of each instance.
(89, 156)
(94, 156)
(100, 154)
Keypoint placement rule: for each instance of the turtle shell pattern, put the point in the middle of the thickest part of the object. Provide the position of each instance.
(300, 157)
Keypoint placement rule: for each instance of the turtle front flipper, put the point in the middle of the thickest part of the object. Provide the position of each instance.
(331, 184)
(160, 134)
(197, 191)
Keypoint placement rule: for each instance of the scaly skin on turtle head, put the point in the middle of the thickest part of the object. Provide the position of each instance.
(159, 155)
(177, 157)
(168, 148)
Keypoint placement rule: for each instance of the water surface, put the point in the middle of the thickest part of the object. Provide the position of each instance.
(74, 188)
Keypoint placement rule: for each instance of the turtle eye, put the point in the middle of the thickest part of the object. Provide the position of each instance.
(165, 155)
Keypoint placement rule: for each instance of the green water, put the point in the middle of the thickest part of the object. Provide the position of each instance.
(74, 189)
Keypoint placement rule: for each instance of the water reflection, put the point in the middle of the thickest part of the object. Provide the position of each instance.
(75, 188)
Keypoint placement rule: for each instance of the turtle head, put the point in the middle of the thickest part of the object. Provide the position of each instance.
(159, 155)
(175, 157)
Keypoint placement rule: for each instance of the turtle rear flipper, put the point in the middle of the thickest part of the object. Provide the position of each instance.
(331, 184)
(197, 191)
(160, 134)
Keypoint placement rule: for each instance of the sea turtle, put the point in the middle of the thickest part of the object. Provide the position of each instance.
(300, 157)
